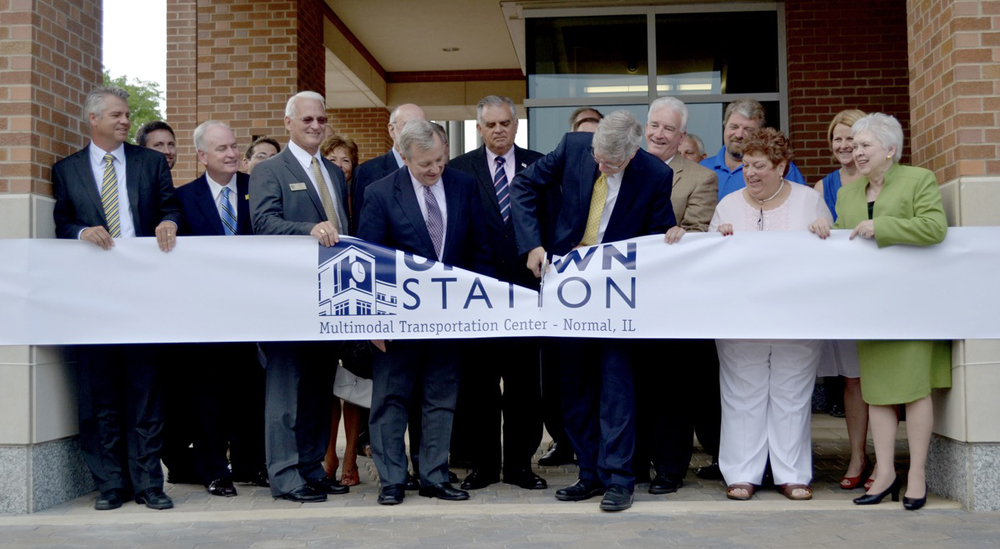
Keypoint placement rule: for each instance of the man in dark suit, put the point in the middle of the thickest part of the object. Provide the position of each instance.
(298, 192)
(106, 191)
(611, 190)
(514, 360)
(203, 409)
(431, 211)
(387, 164)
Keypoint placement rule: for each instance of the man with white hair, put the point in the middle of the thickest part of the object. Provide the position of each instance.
(299, 192)
(743, 117)
(611, 190)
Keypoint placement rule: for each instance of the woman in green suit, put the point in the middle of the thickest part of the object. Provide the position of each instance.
(894, 204)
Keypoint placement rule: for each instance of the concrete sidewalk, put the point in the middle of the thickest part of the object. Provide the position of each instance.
(699, 515)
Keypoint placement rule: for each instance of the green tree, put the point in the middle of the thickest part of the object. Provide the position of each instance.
(144, 100)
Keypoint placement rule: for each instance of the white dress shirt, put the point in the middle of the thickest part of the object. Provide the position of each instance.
(508, 163)
(614, 185)
(97, 167)
(216, 190)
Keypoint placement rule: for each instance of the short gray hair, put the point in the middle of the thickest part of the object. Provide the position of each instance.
(497, 101)
(667, 102)
(290, 106)
(199, 133)
(750, 108)
(95, 103)
(697, 142)
(886, 129)
(419, 134)
(618, 136)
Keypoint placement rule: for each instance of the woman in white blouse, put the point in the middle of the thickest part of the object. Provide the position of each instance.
(767, 385)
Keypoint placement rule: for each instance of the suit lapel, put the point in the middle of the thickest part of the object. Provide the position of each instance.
(299, 176)
(484, 177)
(407, 200)
(454, 205)
(85, 175)
(341, 195)
(243, 225)
(133, 171)
(631, 181)
(678, 167)
(206, 204)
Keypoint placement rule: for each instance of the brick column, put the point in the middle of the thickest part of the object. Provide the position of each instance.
(367, 127)
(50, 58)
(954, 63)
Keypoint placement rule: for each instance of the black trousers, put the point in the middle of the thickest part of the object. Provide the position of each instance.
(121, 415)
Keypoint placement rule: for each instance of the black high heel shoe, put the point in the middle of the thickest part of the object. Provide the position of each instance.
(875, 499)
(912, 504)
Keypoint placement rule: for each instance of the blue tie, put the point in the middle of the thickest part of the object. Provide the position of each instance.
(226, 213)
(502, 189)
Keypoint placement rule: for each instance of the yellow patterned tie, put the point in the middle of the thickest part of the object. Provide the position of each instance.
(324, 196)
(109, 197)
(596, 210)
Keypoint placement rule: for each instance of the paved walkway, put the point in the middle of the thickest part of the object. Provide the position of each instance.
(699, 515)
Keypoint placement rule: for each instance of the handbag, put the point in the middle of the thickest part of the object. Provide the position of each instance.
(351, 388)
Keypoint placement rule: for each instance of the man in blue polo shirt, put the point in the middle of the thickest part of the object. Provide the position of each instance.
(743, 116)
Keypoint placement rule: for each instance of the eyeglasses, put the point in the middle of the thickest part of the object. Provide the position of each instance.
(308, 120)
(606, 164)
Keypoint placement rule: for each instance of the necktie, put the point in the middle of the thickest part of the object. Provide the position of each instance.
(324, 196)
(502, 189)
(435, 224)
(109, 197)
(596, 209)
(226, 213)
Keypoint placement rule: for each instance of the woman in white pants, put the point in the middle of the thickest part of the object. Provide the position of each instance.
(767, 385)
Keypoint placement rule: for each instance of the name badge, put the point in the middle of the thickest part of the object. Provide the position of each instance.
(297, 186)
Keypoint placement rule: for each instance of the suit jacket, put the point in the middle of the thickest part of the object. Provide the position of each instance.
(642, 207)
(694, 195)
(366, 174)
(278, 209)
(500, 236)
(148, 183)
(391, 217)
(201, 215)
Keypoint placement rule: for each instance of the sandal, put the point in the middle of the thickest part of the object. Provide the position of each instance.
(788, 490)
(349, 477)
(850, 483)
(745, 486)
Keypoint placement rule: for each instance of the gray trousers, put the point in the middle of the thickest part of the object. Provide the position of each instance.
(431, 366)
(298, 395)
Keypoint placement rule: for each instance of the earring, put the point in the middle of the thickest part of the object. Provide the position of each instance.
(888, 157)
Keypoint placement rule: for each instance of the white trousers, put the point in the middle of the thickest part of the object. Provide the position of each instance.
(766, 388)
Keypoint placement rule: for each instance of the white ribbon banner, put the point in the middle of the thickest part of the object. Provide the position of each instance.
(787, 285)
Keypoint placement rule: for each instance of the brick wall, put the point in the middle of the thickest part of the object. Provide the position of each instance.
(51, 59)
(238, 61)
(841, 55)
(367, 127)
(955, 69)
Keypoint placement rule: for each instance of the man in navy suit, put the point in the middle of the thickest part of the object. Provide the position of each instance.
(203, 409)
(431, 211)
(298, 192)
(514, 360)
(106, 191)
(611, 190)
(387, 164)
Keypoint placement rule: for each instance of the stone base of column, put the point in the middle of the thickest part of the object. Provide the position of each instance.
(965, 472)
(37, 476)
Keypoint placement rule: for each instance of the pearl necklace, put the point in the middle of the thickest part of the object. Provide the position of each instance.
(770, 198)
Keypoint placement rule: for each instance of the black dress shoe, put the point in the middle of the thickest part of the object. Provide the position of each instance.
(330, 486)
(558, 454)
(261, 479)
(616, 498)
(221, 487)
(392, 494)
(480, 478)
(445, 491)
(305, 494)
(912, 504)
(581, 490)
(663, 484)
(412, 482)
(526, 479)
(154, 498)
(452, 477)
(108, 500)
(710, 472)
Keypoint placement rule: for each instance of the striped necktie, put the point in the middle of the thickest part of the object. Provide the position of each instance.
(596, 210)
(109, 197)
(435, 223)
(502, 189)
(226, 212)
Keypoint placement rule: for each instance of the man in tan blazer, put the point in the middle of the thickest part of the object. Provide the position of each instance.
(665, 426)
